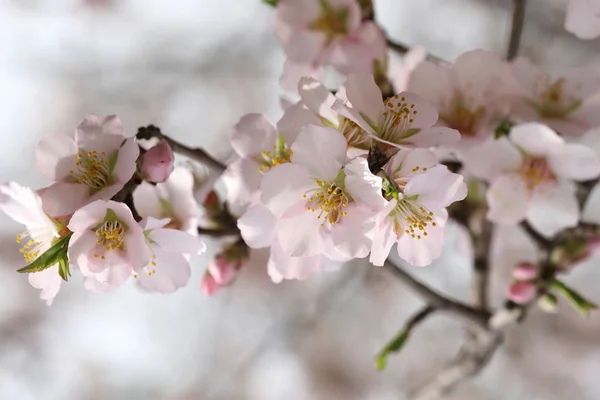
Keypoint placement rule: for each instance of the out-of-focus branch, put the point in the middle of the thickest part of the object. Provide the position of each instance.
(196, 154)
(401, 48)
(437, 300)
(516, 30)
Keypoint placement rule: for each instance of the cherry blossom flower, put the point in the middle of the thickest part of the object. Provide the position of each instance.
(404, 120)
(25, 207)
(318, 196)
(583, 18)
(566, 103)
(107, 243)
(521, 292)
(400, 72)
(416, 215)
(157, 162)
(94, 164)
(464, 93)
(170, 250)
(173, 199)
(315, 33)
(531, 174)
(525, 272)
(260, 147)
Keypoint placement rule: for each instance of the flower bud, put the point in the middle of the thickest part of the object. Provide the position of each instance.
(223, 270)
(157, 162)
(525, 272)
(209, 285)
(521, 292)
(548, 302)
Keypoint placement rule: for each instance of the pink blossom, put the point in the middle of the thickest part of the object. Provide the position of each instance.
(583, 18)
(173, 199)
(93, 165)
(400, 72)
(260, 147)
(525, 272)
(415, 217)
(566, 103)
(170, 250)
(404, 120)
(107, 243)
(521, 292)
(209, 285)
(531, 173)
(25, 207)
(465, 93)
(157, 162)
(223, 269)
(318, 196)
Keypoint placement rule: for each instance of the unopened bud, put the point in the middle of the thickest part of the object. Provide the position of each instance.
(521, 292)
(525, 272)
(548, 302)
(223, 270)
(212, 201)
(209, 285)
(157, 162)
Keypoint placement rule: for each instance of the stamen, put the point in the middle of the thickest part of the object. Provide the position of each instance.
(92, 170)
(329, 199)
(110, 235)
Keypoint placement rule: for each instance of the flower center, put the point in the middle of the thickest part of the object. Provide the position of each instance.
(462, 117)
(331, 21)
(92, 170)
(554, 103)
(110, 235)
(30, 250)
(396, 121)
(329, 199)
(535, 170)
(411, 219)
(280, 154)
(354, 134)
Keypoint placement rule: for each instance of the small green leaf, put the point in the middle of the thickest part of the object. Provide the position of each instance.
(503, 128)
(272, 3)
(394, 346)
(63, 268)
(583, 305)
(49, 257)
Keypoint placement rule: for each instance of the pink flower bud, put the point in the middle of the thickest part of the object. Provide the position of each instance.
(157, 163)
(208, 285)
(525, 272)
(222, 270)
(521, 292)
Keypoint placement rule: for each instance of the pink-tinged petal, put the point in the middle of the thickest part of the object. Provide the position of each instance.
(169, 272)
(528, 76)
(95, 125)
(293, 71)
(581, 21)
(352, 235)
(435, 188)
(138, 253)
(157, 162)
(96, 261)
(553, 208)
(362, 185)
(591, 210)
(318, 99)
(298, 14)
(64, 198)
(128, 154)
(409, 162)
(424, 114)
(476, 69)
(24, 206)
(304, 46)
(284, 186)
(241, 178)
(153, 223)
(521, 292)
(508, 199)
(282, 266)
(208, 285)
(100, 143)
(365, 96)
(293, 120)
(124, 214)
(535, 139)
(433, 137)
(581, 83)
(252, 135)
(224, 271)
(591, 139)
(118, 270)
(525, 272)
(180, 192)
(257, 226)
(55, 156)
(574, 161)
(95, 286)
(146, 201)
(432, 82)
(492, 158)
(48, 281)
(78, 252)
(176, 241)
(353, 114)
(106, 192)
(422, 252)
(322, 150)
(383, 235)
(300, 232)
(400, 73)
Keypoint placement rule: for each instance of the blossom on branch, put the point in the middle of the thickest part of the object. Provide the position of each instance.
(157, 162)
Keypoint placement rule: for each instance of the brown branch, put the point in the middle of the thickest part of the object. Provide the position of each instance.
(439, 301)
(197, 154)
(402, 49)
(516, 30)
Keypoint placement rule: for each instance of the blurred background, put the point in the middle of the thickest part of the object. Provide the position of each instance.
(193, 67)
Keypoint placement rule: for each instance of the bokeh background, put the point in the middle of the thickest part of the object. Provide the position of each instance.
(193, 67)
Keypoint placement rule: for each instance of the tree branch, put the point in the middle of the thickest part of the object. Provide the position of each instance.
(439, 301)
(401, 49)
(516, 30)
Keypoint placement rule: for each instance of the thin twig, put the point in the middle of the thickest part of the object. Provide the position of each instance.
(516, 30)
(401, 48)
(479, 283)
(197, 154)
(437, 300)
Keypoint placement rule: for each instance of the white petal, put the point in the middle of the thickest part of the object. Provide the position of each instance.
(553, 208)
(252, 135)
(535, 139)
(146, 201)
(362, 185)
(293, 120)
(284, 186)
(282, 266)
(317, 98)
(492, 158)
(55, 156)
(176, 241)
(581, 21)
(436, 188)
(421, 252)
(126, 160)
(408, 162)
(48, 281)
(322, 150)
(351, 236)
(365, 96)
(170, 272)
(574, 161)
(508, 199)
(241, 178)
(24, 206)
(300, 232)
(257, 226)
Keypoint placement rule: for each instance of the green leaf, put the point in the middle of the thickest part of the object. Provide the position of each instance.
(503, 128)
(63, 268)
(49, 257)
(272, 3)
(394, 346)
(580, 303)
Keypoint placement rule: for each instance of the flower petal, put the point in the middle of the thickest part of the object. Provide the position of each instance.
(508, 199)
(241, 178)
(351, 236)
(176, 241)
(432, 137)
(492, 158)
(535, 139)
(48, 281)
(322, 150)
(362, 185)
(252, 135)
(421, 252)
(257, 226)
(318, 99)
(365, 96)
(64, 198)
(574, 161)
(146, 200)
(55, 156)
(435, 188)
(591, 210)
(300, 232)
(128, 154)
(553, 208)
(169, 272)
(282, 266)
(284, 186)
(293, 120)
